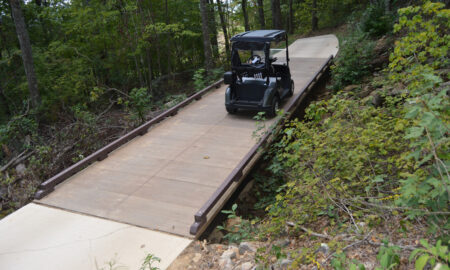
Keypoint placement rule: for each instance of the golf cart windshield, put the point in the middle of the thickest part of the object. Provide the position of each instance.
(278, 51)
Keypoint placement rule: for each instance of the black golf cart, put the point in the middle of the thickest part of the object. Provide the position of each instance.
(256, 81)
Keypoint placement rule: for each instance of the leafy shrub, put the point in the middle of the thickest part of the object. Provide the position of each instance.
(14, 132)
(238, 232)
(344, 153)
(413, 63)
(433, 255)
(375, 21)
(139, 101)
(340, 262)
(201, 80)
(388, 257)
(353, 61)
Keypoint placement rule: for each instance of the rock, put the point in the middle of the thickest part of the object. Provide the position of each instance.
(285, 263)
(365, 92)
(350, 87)
(246, 247)
(282, 242)
(231, 224)
(228, 254)
(197, 257)
(377, 99)
(215, 236)
(439, 266)
(20, 169)
(245, 266)
(226, 264)
(324, 248)
(218, 248)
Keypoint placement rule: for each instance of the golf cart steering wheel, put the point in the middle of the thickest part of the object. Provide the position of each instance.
(255, 59)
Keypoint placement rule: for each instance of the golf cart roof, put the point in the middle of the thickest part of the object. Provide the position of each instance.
(260, 36)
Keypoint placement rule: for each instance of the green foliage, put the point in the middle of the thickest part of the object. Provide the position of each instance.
(238, 232)
(423, 49)
(18, 127)
(375, 21)
(352, 162)
(425, 40)
(353, 62)
(341, 262)
(432, 255)
(388, 257)
(354, 153)
(149, 261)
(139, 101)
(201, 79)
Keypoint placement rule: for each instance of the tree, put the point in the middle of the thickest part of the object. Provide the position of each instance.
(276, 14)
(224, 28)
(213, 29)
(206, 39)
(27, 57)
(314, 20)
(244, 12)
(291, 17)
(262, 20)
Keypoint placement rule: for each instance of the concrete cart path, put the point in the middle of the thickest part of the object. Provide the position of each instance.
(146, 191)
(40, 237)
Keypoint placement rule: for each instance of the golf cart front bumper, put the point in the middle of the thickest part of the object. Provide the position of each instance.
(247, 105)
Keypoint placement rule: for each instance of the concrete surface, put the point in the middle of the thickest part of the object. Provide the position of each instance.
(313, 47)
(161, 179)
(40, 237)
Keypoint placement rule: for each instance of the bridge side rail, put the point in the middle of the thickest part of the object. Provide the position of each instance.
(48, 186)
(201, 217)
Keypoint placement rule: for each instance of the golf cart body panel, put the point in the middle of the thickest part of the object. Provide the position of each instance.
(257, 83)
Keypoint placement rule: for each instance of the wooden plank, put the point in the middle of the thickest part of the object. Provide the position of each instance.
(160, 180)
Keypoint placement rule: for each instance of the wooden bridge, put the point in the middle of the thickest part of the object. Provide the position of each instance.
(153, 190)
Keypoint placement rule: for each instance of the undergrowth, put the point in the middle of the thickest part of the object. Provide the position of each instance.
(359, 166)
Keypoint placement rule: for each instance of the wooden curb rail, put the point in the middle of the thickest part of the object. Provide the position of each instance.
(201, 217)
(49, 185)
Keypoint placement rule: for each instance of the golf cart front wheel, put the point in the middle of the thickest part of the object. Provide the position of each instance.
(291, 90)
(230, 110)
(275, 106)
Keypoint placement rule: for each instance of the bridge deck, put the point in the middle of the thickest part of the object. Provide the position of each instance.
(157, 181)
(160, 180)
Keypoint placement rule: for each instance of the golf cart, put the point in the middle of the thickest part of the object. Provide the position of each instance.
(256, 81)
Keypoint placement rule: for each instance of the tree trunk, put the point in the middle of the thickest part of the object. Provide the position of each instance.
(213, 29)
(169, 43)
(4, 108)
(27, 57)
(314, 20)
(244, 12)
(224, 28)
(276, 14)
(291, 17)
(206, 40)
(149, 67)
(387, 6)
(262, 20)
